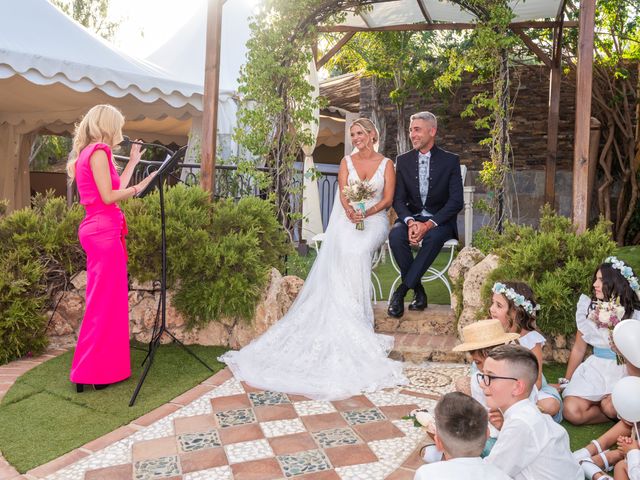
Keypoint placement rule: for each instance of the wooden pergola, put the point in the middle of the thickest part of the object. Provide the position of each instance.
(583, 86)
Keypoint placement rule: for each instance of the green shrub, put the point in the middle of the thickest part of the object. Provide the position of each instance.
(219, 254)
(219, 257)
(554, 260)
(39, 250)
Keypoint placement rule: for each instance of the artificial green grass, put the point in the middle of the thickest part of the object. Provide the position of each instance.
(42, 416)
(436, 291)
(582, 435)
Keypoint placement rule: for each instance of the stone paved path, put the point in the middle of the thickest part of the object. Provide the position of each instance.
(225, 429)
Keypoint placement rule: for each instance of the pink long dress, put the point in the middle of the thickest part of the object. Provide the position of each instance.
(102, 353)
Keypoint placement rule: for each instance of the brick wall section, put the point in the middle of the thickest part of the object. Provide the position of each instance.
(529, 121)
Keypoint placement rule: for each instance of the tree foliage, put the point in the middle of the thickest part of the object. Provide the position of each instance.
(408, 60)
(93, 14)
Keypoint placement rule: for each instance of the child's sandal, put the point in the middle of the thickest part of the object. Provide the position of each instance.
(590, 469)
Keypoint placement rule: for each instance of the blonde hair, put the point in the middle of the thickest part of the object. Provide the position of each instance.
(103, 123)
(368, 126)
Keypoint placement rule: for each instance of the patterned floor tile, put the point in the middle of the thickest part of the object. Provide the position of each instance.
(247, 451)
(203, 459)
(350, 455)
(241, 416)
(268, 413)
(268, 398)
(366, 415)
(313, 407)
(335, 437)
(219, 473)
(278, 428)
(151, 469)
(230, 402)
(303, 462)
(373, 431)
(190, 442)
(241, 433)
(298, 442)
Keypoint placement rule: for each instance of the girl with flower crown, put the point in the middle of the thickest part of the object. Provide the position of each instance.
(514, 305)
(587, 395)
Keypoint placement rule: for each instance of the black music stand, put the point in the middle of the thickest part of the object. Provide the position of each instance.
(160, 325)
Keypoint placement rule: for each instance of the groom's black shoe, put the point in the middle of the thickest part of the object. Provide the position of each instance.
(419, 302)
(396, 304)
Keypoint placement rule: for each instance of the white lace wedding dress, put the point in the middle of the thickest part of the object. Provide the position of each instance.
(324, 347)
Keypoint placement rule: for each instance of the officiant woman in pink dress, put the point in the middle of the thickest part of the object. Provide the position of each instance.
(102, 354)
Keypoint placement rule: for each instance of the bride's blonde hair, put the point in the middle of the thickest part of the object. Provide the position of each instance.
(103, 123)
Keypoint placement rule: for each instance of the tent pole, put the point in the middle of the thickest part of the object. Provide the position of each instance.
(211, 90)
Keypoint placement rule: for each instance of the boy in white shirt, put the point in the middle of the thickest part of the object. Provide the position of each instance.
(530, 446)
(461, 432)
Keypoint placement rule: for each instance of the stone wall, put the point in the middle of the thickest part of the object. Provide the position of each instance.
(143, 304)
(530, 88)
(470, 270)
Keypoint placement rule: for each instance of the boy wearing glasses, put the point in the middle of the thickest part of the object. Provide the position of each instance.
(531, 446)
(461, 432)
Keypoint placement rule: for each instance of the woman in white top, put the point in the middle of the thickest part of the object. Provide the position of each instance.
(587, 394)
(514, 305)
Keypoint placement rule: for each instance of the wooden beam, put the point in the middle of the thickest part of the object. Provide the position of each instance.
(584, 82)
(211, 91)
(440, 26)
(542, 56)
(335, 49)
(553, 120)
(425, 12)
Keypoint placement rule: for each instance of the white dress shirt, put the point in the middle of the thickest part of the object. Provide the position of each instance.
(531, 446)
(460, 468)
(633, 464)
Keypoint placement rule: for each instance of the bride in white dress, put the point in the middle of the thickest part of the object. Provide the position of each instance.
(325, 347)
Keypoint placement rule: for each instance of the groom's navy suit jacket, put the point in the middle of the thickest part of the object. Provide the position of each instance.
(444, 199)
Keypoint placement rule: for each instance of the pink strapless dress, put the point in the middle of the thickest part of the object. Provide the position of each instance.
(102, 354)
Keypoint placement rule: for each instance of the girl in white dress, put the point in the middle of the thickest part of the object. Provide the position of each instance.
(514, 305)
(587, 396)
(324, 347)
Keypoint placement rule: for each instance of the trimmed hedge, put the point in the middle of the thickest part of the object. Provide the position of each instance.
(219, 258)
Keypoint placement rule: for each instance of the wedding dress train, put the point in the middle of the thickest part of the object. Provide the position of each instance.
(325, 347)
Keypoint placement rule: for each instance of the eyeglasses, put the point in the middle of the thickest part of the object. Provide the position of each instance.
(486, 379)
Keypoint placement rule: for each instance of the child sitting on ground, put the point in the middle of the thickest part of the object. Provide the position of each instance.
(479, 338)
(629, 468)
(514, 305)
(587, 396)
(530, 446)
(595, 459)
(461, 432)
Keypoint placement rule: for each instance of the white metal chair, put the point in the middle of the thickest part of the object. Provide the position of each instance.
(375, 260)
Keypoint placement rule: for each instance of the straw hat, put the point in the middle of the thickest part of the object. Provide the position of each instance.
(483, 334)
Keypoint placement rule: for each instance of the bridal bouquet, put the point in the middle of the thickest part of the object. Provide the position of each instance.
(357, 193)
(608, 315)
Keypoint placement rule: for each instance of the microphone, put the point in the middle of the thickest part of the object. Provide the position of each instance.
(126, 141)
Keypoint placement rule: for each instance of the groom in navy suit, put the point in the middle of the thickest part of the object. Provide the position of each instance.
(427, 200)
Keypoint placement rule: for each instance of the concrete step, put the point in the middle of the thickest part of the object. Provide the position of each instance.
(418, 348)
(434, 320)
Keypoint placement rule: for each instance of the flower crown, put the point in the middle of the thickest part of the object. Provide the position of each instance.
(626, 272)
(516, 298)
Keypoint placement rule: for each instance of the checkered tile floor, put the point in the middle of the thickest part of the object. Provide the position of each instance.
(238, 432)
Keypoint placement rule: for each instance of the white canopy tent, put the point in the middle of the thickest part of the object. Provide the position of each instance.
(52, 70)
(407, 12)
(47, 85)
(183, 54)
